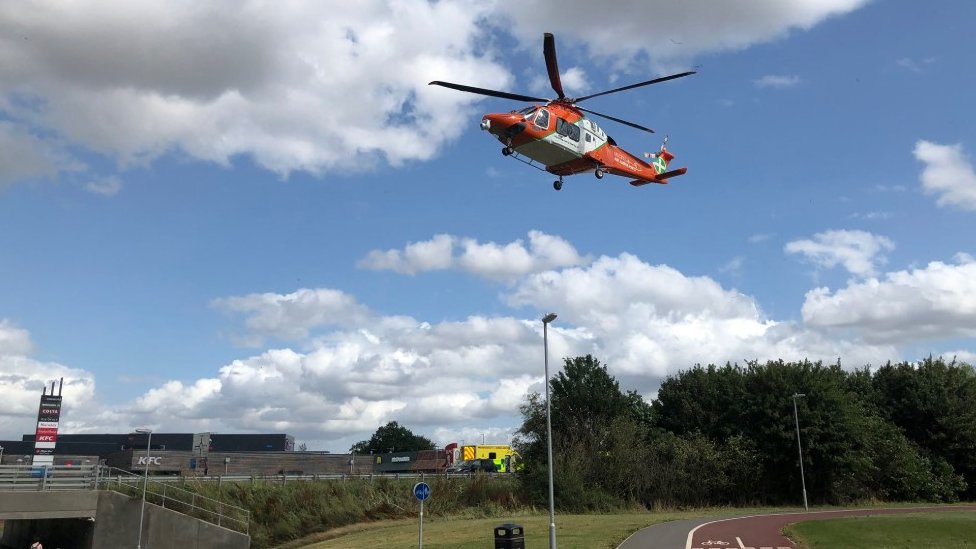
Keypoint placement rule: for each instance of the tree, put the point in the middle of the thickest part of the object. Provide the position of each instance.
(392, 437)
(932, 402)
(593, 423)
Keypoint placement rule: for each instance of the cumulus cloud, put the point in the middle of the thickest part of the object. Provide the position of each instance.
(352, 369)
(645, 321)
(930, 303)
(286, 83)
(947, 174)
(488, 259)
(683, 30)
(857, 251)
(308, 87)
(292, 316)
(23, 378)
(777, 81)
(430, 255)
(648, 321)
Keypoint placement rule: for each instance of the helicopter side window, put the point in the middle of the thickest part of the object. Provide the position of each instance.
(568, 129)
(542, 119)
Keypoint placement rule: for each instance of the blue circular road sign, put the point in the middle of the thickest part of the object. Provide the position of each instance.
(421, 491)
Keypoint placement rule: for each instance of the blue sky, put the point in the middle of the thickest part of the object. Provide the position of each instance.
(265, 220)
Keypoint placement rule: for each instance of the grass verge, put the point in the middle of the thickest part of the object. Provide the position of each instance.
(914, 531)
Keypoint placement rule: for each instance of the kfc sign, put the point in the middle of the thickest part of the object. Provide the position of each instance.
(149, 460)
(47, 438)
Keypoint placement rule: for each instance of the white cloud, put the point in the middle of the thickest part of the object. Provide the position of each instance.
(429, 255)
(965, 356)
(106, 186)
(759, 238)
(23, 378)
(292, 316)
(733, 266)
(461, 378)
(489, 259)
(297, 86)
(574, 80)
(948, 174)
(856, 251)
(935, 302)
(308, 87)
(777, 81)
(684, 29)
(13, 340)
(914, 65)
(650, 321)
(352, 369)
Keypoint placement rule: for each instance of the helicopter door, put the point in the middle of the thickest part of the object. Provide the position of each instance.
(568, 135)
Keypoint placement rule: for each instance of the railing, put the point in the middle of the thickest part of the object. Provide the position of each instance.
(165, 495)
(35, 478)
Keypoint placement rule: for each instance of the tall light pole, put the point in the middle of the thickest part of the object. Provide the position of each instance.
(142, 511)
(799, 448)
(552, 509)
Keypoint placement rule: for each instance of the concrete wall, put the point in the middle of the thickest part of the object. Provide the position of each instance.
(21, 505)
(117, 525)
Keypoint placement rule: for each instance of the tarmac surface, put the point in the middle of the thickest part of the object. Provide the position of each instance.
(750, 532)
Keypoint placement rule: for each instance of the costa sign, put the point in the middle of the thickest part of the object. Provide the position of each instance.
(46, 435)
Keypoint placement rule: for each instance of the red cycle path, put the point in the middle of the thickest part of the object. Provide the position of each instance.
(765, 531)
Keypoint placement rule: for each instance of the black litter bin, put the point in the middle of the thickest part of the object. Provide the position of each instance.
(509, 536)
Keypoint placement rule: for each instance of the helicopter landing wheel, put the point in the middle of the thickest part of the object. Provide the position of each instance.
(507, 151)
(599, 173)
(557, 184)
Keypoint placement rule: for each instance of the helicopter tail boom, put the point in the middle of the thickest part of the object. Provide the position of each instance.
(661, 178)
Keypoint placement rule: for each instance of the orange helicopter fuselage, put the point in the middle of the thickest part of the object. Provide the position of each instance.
(565, 142)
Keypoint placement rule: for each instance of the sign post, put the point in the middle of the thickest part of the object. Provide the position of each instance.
(421, 491)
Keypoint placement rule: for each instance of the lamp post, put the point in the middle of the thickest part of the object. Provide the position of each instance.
(799, 448)
(552, 510)
(142, 511)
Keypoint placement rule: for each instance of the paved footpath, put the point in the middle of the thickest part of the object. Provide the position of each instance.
(752, 532)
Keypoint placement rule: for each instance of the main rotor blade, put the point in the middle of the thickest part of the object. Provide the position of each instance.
(492, 93)
(637, 85)
(549, 51)
(615, 119)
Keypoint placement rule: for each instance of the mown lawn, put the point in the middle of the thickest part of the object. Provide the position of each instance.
(912, 531)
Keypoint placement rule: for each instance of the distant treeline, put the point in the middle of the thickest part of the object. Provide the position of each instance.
(727, 435)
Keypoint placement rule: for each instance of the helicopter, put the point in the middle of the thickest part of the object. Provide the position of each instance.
(558, 138)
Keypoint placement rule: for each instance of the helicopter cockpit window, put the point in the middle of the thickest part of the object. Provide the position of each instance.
(542, 119)
(527, 111)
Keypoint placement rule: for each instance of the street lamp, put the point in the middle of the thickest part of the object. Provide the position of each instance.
(552, 510)
(145, 482)
(799, 448)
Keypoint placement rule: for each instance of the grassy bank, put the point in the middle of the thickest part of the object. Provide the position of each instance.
(284, 512)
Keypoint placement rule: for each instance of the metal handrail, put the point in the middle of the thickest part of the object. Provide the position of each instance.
(47, 477)
(176, 499)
